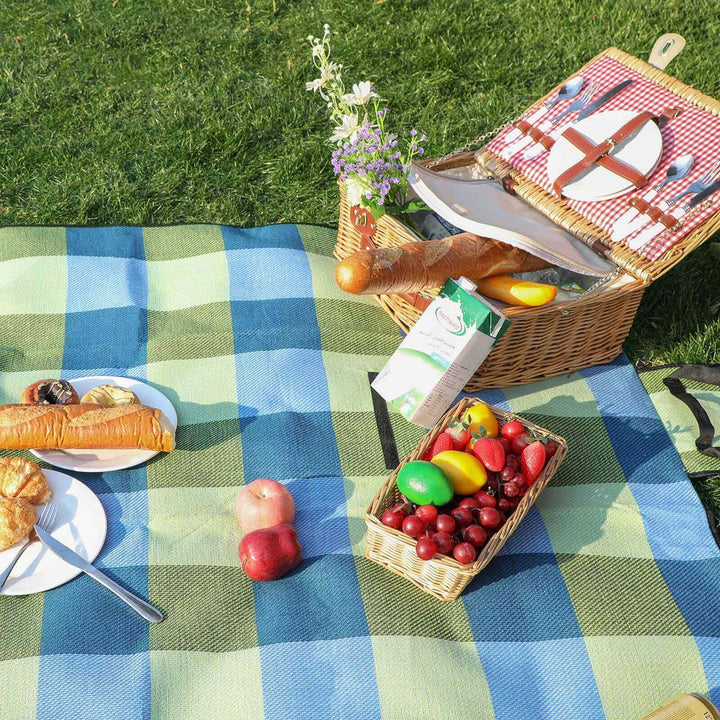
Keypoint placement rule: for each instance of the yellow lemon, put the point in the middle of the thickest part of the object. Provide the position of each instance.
(480, 415)
(465, 471)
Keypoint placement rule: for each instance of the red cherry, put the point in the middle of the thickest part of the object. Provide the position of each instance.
(511, 490)
(413, 526)
(444, 542)
(464, 553)
(475, 535)
(462, 516)
(505, 505)
(428, 513)
(445, 524)
(489, 518)
(469, 503)
(513, 461)
(392, 519)
(550, 448)
(505, 442)
(507, 474)
(512, 429)
(484, 499)
(426, 548)
(518, 445)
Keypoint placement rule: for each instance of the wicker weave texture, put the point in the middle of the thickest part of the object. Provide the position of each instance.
(444, 577)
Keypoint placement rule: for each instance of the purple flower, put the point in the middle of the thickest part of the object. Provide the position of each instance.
(380, 201)
(413, 132)
(420, 151)
(423, 138)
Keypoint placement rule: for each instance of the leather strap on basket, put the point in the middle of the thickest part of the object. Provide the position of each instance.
(364, 222)
(416, 300)
(599, 153)
(535, 133)
(655, 213)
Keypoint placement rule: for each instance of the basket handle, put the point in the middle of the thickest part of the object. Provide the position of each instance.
(666, 48)
(708, 376)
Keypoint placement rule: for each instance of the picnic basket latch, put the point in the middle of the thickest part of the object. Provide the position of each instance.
(364, 222)
(666, 48)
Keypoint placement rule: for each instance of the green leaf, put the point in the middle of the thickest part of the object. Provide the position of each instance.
(413, 206)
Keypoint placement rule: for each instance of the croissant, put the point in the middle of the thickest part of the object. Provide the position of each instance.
(24, 479)
(17, 517)
(84, 427)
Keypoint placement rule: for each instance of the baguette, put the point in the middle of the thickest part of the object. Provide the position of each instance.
(90, 427)
(428, 264)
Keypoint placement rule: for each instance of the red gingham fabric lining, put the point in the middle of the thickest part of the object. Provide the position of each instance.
(696, 132)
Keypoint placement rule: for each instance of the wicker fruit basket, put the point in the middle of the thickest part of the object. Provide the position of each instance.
(444, 577)
(562, 337)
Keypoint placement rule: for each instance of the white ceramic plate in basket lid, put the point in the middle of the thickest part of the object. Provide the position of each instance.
(641, 151)
(112, 459)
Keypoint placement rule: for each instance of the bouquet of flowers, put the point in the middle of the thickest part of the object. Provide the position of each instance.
(371, 161)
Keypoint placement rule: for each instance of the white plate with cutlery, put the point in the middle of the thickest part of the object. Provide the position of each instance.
(641, 151)
(115, 458)
(81, 525)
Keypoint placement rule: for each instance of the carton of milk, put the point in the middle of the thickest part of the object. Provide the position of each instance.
(440, 353)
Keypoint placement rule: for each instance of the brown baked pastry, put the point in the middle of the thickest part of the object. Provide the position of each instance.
(426, 265)
(17, 517)
(50, 392)
(24, 479)
(84, 427)
(110, 396)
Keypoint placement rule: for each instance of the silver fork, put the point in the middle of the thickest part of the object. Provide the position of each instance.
(650, 232)
(579, 104)
(536, 150)
(700, 184)
(46, 521)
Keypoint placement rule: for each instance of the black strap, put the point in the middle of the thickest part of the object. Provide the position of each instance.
(384, 426)
(708, 376)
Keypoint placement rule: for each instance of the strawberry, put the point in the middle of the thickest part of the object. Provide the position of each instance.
(490, 453)
(443, 442)
(459, 433)
(532, 461)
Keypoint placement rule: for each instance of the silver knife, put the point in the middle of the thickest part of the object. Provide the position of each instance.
(609, 95)
(705, 194)
(141, 607)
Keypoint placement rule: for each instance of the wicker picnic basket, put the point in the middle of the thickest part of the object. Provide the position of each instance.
(444, 577)
(556, 338)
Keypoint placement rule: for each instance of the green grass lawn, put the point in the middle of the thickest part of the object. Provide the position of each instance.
(144, 112)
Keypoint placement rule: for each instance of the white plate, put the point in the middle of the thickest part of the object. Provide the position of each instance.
(113, 459)
(81, 525)
(642, 152)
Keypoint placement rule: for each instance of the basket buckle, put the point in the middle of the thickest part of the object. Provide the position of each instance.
(362, 220)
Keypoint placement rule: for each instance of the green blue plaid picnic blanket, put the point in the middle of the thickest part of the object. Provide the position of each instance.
(602, 604)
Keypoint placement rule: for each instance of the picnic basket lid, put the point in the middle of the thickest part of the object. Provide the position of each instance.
(557, 209)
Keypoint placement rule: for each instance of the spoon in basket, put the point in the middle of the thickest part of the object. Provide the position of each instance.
(568, 91)
(629, 221)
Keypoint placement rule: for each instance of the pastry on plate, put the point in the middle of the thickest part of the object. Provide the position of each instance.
(17, 517)
(50, 392)
(110, 396)
(21, 478)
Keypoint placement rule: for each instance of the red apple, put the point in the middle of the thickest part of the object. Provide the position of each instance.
(269, 553)
(262, 504)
